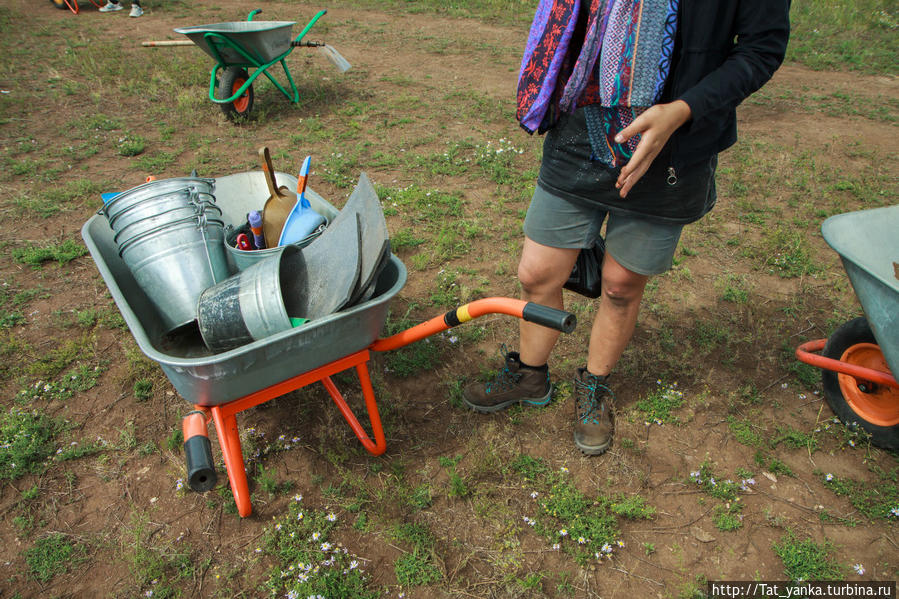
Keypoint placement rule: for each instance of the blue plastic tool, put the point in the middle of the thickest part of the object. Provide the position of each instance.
(302, 220)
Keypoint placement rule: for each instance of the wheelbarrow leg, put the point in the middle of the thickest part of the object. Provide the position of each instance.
(380, 444)
(229, 440)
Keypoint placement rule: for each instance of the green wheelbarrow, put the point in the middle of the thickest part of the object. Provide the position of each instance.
(242, 46)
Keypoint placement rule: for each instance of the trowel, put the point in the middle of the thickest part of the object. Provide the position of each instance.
(278, 205)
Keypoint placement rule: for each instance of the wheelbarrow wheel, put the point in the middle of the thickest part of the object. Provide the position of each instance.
(230, 82)
(874, 407)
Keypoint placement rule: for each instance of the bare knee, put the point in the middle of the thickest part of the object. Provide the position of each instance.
(535, 278)
(624, 291)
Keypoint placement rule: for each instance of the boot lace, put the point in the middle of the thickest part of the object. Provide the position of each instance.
(589, 391)
(505, 379)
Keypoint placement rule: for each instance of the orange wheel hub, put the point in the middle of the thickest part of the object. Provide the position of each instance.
(877, 404)
(241, 103)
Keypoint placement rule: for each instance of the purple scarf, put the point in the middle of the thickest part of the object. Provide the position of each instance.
(619, 72)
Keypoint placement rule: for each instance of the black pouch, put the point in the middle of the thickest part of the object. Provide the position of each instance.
(586, 276)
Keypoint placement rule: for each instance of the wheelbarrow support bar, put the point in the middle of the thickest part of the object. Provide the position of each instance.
(529, 311)
(807, 352)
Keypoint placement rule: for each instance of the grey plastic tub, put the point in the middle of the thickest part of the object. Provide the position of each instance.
(262, 40)
(868, 244)
(205, 379)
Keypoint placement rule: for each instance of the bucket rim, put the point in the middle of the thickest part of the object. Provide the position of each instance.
(185, 184)
(195, 221)
(126, 231)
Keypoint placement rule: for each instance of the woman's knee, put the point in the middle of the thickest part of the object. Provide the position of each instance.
(623, 288)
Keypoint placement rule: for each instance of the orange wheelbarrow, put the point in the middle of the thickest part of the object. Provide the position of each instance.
(860, 358)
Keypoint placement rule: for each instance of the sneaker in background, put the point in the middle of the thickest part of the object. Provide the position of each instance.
(111, 7)
(136, 11)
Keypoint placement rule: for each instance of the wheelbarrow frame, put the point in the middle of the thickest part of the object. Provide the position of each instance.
(224, 416)
(859, 359)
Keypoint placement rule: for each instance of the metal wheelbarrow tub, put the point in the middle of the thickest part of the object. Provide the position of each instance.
(205, 379)
(868, 244)
(264, 41)
(859, 359)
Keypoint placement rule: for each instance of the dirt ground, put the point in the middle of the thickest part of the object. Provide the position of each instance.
(97, 501)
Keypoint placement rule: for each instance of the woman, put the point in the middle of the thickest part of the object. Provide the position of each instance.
(638, 98)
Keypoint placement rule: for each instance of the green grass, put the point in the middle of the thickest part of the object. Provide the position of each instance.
(806, 559)
(582, 526)
(27, 441)
(879, 501)
(52, 555)
(37, 254)
(839, 35)
(659, 405)
(307, 558)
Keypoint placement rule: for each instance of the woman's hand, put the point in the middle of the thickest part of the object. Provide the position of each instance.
(655, 126)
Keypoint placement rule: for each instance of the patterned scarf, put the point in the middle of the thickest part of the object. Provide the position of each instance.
(619, 71)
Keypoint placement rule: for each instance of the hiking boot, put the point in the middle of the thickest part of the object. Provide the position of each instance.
(593, 428)
(136, 11)
(111, 7)
(513, 384)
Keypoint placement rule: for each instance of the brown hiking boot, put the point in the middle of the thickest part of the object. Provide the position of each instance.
(593, 428)
(513, 384)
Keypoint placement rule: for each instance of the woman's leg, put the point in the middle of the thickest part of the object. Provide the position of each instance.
(616, 316)
(542, 272)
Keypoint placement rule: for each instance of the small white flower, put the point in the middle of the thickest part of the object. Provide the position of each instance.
(563, 532)
(332, 517)
(581, 541)
(534, 495)
(316, 536)
(859, 569)
(828, 477)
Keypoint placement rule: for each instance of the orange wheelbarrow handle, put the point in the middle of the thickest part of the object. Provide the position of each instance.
(529, 311)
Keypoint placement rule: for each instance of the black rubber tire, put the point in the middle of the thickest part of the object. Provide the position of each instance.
(241, 107)
(852, 333)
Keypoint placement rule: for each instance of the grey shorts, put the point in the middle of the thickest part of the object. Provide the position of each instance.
(641, 246)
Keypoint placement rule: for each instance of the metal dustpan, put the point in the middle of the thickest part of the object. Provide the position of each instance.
(264, 41)
(373, 228)
(868, 244)
(330, 269)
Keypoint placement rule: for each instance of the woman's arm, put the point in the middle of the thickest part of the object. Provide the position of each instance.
(761, 29)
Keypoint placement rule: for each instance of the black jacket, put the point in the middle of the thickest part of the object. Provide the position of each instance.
(725, 50)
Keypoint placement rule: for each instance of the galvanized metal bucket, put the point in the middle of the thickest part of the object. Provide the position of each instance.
(157, 189)
(244, 259)
(133, 227)
(175, 262)
(188, 201)
(253, 304)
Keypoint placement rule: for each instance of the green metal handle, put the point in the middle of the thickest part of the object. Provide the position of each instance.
(309, 25)
(253, 14)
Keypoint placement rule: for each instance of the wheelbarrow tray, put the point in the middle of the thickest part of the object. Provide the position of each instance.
(207, 379)
(263, 40)
(868, 244)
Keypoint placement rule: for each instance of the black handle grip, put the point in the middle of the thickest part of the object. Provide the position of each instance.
(549, 317)
(200, 470)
